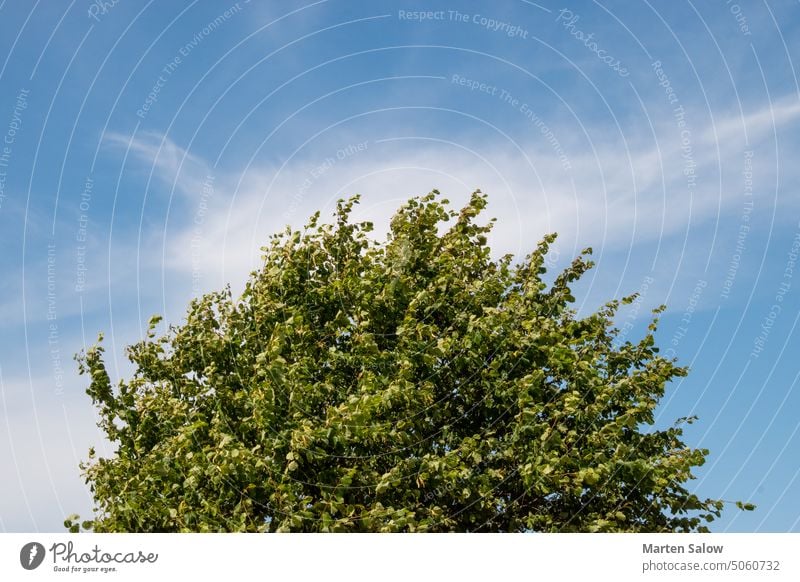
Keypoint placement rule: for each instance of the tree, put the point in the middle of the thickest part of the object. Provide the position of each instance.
(414, 384)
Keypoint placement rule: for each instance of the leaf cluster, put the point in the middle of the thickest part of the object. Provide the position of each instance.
(413, 384)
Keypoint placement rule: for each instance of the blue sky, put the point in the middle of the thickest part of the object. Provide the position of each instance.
(148, 151)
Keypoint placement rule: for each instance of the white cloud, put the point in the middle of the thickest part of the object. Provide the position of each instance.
(615, 195)
(167, 161)
(756, 124)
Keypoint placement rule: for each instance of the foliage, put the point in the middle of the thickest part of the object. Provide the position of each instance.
(414, 384)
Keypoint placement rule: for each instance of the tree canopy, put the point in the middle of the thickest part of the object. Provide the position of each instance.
(407, 384)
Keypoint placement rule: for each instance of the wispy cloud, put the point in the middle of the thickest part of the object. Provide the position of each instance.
(754, 125)
(610, 198)
(161, 156)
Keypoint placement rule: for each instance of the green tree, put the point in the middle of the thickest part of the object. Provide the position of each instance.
(414, 384)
